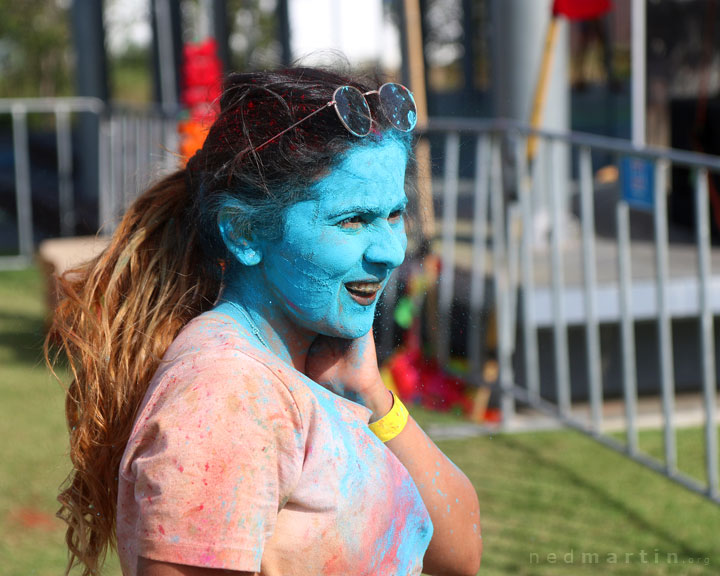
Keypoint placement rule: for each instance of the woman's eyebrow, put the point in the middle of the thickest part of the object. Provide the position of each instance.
(364, 209)
(354, 208)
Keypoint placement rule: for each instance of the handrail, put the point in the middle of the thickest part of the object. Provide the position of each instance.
(50, 105)
(606, 143)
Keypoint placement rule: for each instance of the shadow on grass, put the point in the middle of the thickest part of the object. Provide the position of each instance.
(608, 500)
(25, 342)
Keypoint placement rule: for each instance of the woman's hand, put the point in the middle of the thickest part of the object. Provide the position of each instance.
(350, 369)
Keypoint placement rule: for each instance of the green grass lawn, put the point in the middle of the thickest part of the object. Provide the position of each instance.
(546, 498)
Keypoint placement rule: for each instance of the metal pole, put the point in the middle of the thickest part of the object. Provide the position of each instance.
(665, 348)
(513, 227)
(627, 326)
(23, 190)
(707, 336)
(123, 162)
(507, 400)
(476, 346)
(105, 176)
(530, 343)
(386, 322)
(167, 60)
(592, 330)
(66, 192)
(560, 338)
(115, 194)
(141, 152)
(447, 278)
(638, 34)
(170, 138)
(219, 21)
(284, 31)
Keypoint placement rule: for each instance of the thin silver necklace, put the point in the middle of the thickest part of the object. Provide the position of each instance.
(255, 330)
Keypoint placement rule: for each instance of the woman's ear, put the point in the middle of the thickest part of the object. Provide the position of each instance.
(246, 250)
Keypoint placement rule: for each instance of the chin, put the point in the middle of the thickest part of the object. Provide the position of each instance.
(350, 328)
(348, 332)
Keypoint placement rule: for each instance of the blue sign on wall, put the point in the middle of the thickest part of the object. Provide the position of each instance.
(637, 182)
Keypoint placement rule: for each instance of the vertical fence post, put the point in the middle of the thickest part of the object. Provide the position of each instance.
(505, 377)
(665, 348)
(514, 230)
(386, 322)
(476, 344)
(66, 194)
(592, 331)
(104, 176)
(707, 336)
(530, 343)
(130, 167)
(141, 152)
(23, 190)
(449, 223)
(116, 177)
(560, 337)
(170, 144)
(154, 130)
(122, 160)
(627, 326)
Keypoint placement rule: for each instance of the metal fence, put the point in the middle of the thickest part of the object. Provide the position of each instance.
(539, 300)
(120, 149)
(511, 246)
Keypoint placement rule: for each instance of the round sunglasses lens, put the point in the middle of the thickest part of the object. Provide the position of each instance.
(353, 110)
(398, 105)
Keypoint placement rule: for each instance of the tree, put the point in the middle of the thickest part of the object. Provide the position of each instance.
(35, 48)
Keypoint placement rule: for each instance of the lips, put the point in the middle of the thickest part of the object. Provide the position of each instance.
(364, 293)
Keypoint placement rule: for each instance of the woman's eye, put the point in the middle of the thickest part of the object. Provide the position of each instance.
(396, 215)
(352, 222)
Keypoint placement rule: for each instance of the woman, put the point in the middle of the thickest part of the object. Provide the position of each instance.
(227, 415)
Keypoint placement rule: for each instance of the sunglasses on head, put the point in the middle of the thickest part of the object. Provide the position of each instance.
(396, 102)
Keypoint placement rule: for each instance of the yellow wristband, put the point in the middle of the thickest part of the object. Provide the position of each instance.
(392, 423)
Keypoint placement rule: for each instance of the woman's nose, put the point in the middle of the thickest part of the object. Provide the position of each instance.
(387, 245)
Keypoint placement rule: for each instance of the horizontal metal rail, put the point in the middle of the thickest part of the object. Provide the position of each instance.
(551, 410)
(579, 139)
(51, 105)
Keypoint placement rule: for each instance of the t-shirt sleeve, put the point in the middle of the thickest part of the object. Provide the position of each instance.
(214, 456)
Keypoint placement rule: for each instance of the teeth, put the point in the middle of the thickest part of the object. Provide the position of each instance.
(364, 287)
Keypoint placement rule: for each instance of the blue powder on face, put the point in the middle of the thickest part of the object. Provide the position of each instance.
(352, 230)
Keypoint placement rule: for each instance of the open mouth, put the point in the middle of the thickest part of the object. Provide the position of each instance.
(364, 293)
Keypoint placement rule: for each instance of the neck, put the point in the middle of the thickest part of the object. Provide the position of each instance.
(276, 331)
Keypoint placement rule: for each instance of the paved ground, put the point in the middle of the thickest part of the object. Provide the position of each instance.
(688, 413)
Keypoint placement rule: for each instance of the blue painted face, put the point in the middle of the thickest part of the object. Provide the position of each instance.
(338, 250)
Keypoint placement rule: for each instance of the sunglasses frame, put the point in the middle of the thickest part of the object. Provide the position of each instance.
(333, 103)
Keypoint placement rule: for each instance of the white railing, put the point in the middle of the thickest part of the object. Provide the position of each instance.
(540, 287)
(536, 296)
(131, 145)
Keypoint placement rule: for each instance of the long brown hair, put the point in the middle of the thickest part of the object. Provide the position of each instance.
(120, 312)
(118, 315)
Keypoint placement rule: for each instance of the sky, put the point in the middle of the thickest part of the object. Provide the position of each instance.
(357, 29)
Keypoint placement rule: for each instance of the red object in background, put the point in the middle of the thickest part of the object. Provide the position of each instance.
(422, 381)
(202, 73)
(581, 9)
(202, 86)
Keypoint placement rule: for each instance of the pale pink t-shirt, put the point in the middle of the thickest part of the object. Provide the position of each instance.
(238, 461)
